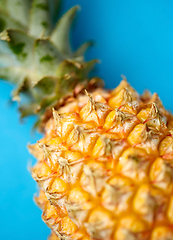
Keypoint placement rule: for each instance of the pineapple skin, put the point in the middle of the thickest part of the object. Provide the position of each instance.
(105, 167)
(53, 236)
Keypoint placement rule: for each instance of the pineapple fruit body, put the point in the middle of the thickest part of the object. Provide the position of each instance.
(105, 167)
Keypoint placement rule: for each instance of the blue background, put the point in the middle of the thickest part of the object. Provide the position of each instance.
(134, 38)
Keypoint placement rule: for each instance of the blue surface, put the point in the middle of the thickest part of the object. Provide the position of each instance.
(134, 38)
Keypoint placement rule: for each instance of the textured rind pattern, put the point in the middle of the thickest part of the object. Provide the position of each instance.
(105, 167)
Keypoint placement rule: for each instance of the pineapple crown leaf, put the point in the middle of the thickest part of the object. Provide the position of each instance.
(24, 15)
(60, 35)
(38, 58)
(39, 19)
(14, 14)
(83, 48)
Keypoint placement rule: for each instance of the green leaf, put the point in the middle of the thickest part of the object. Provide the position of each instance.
(44, 69)
(61, 34)
(29, 109)
(40, 23)
(7, 22)
(74, 69)
(49, 102)
(88, 67)
(82, 49)
(6, 57)
(47, 58)
(18, 10)
(4, 60)
(21, 45)
(44, 88)
(13, 74)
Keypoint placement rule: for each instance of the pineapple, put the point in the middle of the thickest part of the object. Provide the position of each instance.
(104, 165)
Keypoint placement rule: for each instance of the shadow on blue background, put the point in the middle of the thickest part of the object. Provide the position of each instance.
(134, 38)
